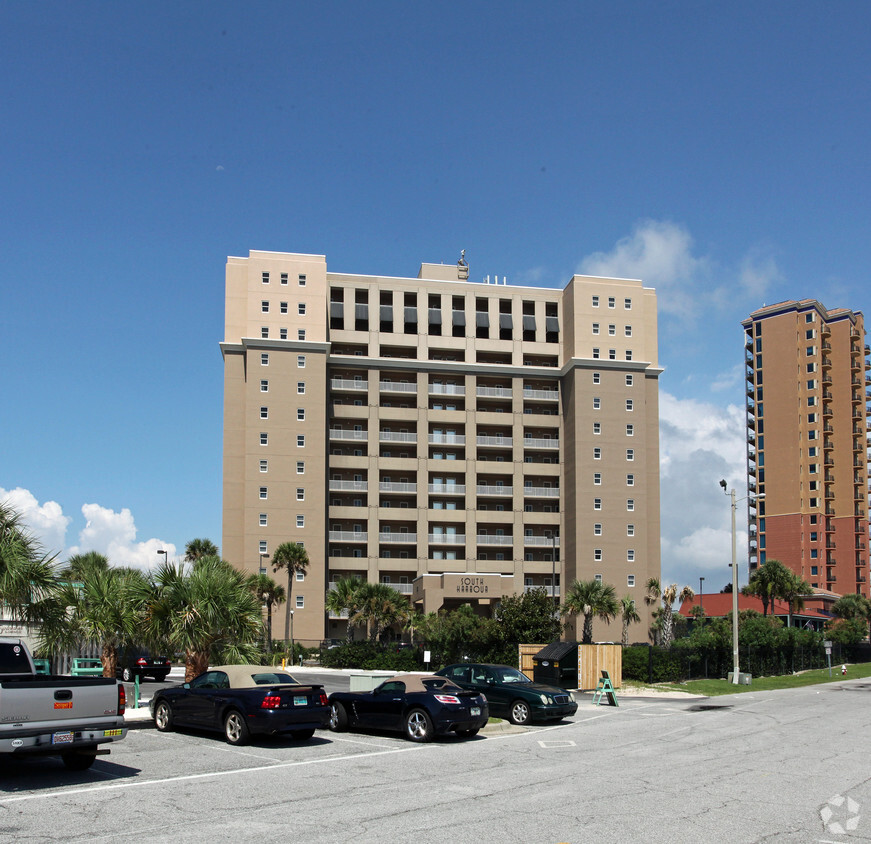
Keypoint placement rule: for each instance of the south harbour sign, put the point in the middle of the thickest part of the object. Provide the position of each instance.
(472, 586)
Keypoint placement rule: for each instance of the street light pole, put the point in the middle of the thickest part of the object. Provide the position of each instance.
(701, 599)
(165, 556)
(735, 667)
(291, 637)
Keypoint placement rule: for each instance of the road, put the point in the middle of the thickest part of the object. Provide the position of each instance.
(745, 768)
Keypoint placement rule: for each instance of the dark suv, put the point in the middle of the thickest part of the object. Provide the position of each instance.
(134, 662)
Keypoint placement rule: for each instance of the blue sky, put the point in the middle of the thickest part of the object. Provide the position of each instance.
(718, 151)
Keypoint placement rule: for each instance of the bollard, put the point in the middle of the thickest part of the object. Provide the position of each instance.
(136, 680)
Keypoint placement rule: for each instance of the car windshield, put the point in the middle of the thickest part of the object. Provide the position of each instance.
(511, 675)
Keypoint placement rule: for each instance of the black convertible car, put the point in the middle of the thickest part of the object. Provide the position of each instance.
(421, 706)
(240, 700)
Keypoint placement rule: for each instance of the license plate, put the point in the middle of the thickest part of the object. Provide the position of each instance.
(300, 700)
(475, 710)
(63, 705)
(62, 738)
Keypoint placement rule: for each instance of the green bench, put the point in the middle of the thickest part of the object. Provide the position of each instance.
(87, 667)
(42, 666)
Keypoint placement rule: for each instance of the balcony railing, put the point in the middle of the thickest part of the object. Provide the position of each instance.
(341, 434)
(352, 486)
(396, 437)
(348, 384)
(396, 387)
(447, 439)
(397, 537)
(447, 538)
(348, 536)
(484, 489)
(543, 395)
(541, 491)
(489, 539)
(494, 441)
(494, 392)
(551, 590)
(402, 588)
(394, 486)
(447, 489)
(447, 390)
(546, 541)
(532, 442)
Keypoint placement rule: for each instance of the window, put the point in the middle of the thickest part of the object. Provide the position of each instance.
(263, 547)
(811, 417)
(597, 454)
(627, 330)
(627, 304)
(265, 277)
(300, 308)
(630, 579)
(264, 359)
(809, 334)
(264, 386)
(300, 602)
(264, 465)
(300, 361)
(630, 430)
(630, 453)
(629, 354)
(630, 504)
(264, 332)
(630, 555)
(300, 334)
(811, 384)
(811, 401)
(264, 412)
(597, 427)
(809, 351)
(284, 278)
(595, 328)
(595, 301)
(612, 330)
(282, 334)
(596, 354)
(597, 529)
(300, 575)
(283, 307)
(612, 354)
(814, 502)
(815, 570)
(812, 451)
(302, 279)
(300, 467)
(300, 414)
(263, 520)
(630, 530)
(629, 404)
(597, 403)
(597, 478)
(300, 387)
(300, 520)
(597, 377)
(300, 440)
(300, 493)
(612, 302)
(630, 479)
(597, 557)
(263, 493)
(597, 578)
(809, 318)
(264, 438)
(264, 307)
(813, 468)
(811, 367)
(629, 380)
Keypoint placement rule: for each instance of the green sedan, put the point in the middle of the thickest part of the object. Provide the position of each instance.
(511, 694)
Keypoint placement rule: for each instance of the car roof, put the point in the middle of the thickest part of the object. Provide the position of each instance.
(242, 676)
(414, 682)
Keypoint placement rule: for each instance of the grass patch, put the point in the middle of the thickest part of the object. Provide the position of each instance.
(816, 676)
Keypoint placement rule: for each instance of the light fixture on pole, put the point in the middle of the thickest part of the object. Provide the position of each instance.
(165, 556)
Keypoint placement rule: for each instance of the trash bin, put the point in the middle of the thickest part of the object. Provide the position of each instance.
(557, 665)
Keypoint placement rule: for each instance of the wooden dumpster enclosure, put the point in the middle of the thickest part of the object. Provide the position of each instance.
(592, 659)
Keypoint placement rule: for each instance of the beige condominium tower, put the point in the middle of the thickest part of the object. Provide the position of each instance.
(458, 440)
(807, 448)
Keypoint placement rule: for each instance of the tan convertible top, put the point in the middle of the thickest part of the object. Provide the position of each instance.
(242, 676)
(414, 682)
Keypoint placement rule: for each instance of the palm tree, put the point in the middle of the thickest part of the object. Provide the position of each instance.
(792, 591)
(768, 582)
(209, 613)
(80, 565)
(196, 549)
(852, 605)
(592, 599)
(293, 557)
(669, 594)
(103, 607)
(26, 571)
(271, 593)
(343, 596)
(378, 606)
(629, 615)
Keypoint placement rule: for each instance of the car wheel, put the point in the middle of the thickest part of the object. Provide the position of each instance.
(79, 760)
(126, 675)
(302, 735)
(235, 728)
(338, 718)
(163, 716)
(519, 713)
(159, 678)
(418, 726)
(467, 733)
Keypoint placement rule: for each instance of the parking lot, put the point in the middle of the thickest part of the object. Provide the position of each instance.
(745, 768)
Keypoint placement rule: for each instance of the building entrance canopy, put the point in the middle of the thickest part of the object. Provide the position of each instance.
(434, 590)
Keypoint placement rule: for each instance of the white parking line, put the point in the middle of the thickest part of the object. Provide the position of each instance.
(550, 745)
(189, 777)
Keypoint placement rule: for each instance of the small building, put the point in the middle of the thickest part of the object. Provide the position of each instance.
(816, 612)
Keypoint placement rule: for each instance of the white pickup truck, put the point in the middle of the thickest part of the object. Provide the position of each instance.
(56, 715)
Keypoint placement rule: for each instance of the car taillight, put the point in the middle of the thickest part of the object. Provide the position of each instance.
(324, 701)
(271, 702)
(122, 699)
(141, 661)
(446, 698)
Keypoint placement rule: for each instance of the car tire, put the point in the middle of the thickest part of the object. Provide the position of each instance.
(235, 729)
(338, 717)
(79, 760)
(520, 713)
(159, 678)
(418, 726)
(467, 733)
(163, 716)
(126, 675)
(303, 735)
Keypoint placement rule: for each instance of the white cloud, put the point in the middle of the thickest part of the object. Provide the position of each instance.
(728, 379)
(105, 531)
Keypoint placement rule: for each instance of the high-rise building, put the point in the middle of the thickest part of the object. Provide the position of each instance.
(459, 441)
(807, 448)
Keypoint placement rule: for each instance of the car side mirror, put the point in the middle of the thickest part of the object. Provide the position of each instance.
(186, 686)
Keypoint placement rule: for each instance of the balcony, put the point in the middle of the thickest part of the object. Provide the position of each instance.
(532, 442)
(394, 486)
(349, 384)
(551, 590)
(543, 541)
(542, 395)
(490, 539)
(541, 492)
(484, 489)
(494, 392)
(348, 486)
(496, 442)
(447, 539)
(447, 439)
(447, 390)
(447, 489)
(396, 437)
(397, 387)
(401, 537)
(342, 434)
(348, 536)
